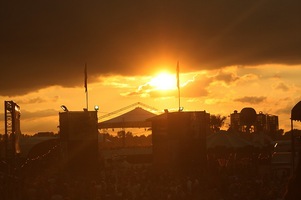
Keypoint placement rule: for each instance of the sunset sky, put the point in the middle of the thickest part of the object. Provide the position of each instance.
(232, 54)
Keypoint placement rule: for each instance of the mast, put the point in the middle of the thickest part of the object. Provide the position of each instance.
(178, 85)
(86, 85)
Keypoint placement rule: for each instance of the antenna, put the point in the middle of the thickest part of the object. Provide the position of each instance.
(86, 85)
(178, 85)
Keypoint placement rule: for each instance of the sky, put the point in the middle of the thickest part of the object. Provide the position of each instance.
(232, 54)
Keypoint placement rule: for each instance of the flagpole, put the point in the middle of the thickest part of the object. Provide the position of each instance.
(178, 85)
(86, 86)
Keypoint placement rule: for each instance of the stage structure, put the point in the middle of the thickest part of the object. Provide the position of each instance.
(79, 141)
(179, 141)
(295, 116)
(136, 118)
(12, 133)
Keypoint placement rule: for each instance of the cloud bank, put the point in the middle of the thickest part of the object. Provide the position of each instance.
(46, 43)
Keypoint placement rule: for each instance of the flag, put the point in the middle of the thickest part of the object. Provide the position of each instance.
(178, 78)
(86, 79)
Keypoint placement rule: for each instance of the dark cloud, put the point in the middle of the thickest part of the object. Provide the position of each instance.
(226, 77)
(251, 99)
(47, 43)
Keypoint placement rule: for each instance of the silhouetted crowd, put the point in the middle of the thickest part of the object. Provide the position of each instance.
(142, 183)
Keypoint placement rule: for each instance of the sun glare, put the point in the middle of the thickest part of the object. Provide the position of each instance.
(164, 81)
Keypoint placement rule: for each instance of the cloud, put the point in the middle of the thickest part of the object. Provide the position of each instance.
(227, 77)
(251, 99)
(282, 86)
(284, 110)
(28, 115)
(163, 94)
(143, 90)
(196, 87)
(116, 81)
(48, 43)
(148, 91)
(35, 100)
(25, 115)
(285, 105)
(192, 88)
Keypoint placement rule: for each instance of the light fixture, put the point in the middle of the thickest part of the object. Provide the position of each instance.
(64, 108)
(96, 107)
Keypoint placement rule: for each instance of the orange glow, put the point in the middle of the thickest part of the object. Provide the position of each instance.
(164, 81)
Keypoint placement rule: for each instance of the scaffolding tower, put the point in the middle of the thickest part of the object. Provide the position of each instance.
(12, 133)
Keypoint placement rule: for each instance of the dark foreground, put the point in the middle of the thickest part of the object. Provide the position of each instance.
(242, 181)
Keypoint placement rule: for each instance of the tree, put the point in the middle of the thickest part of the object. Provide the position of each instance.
(216, 122)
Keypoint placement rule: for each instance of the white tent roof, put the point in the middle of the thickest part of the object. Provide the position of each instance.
(133, 119)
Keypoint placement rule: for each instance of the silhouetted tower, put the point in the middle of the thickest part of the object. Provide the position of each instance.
(235, 121)
(248, 119)
(12, 133)
(179, 141)
(79, 141)
(261, 124)
(244, 122)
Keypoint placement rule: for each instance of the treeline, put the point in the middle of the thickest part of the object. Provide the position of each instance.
(124, 139)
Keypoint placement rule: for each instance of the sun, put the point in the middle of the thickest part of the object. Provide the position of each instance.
(164, 81)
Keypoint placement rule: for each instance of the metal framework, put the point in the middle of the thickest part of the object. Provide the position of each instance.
(12, 131)
(127, 107)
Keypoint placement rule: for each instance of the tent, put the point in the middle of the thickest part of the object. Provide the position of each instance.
(226, 139)
(296, 112)
(295, 116)
(133, 119)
